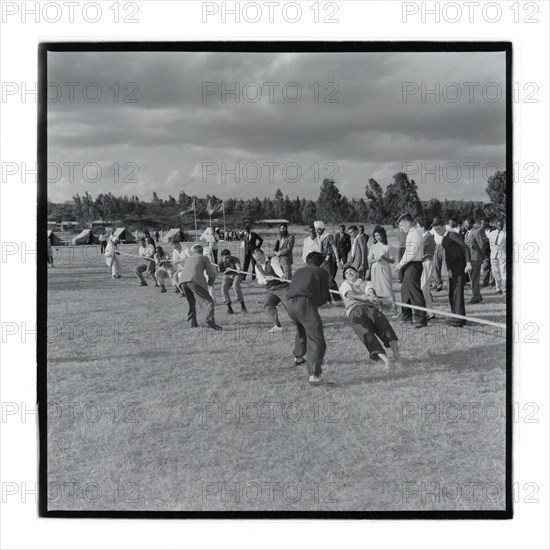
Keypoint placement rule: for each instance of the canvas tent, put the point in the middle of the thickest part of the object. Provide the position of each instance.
(173, 236)
(86, 237)
(54, 239)
(124, 235)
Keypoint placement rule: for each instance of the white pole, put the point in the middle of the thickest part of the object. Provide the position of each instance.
(224, 231)
(195, 214)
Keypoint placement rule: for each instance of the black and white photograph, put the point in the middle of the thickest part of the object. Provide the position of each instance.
(275, 279)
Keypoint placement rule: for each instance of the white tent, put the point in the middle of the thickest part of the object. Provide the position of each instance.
(123, 235)
(86, 237)
(175, 235)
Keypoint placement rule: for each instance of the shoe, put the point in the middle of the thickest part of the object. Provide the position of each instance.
(275, 330)
(213, 325)
(177, 290)
(243, 308)
(143, 284)
(421, 324)
(475, 301)
(194, 324)
(156, 285)
(230, 309)
(438, 288)
(316, 380)
(299, 361)
(431, 316)
(163, 290)
(499, 292)
(456, 323)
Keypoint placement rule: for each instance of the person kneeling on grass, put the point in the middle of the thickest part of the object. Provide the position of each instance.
(276, 289)
(229, 267)
(367, 320)
(308, 290)
(195, 286)
(164, 269)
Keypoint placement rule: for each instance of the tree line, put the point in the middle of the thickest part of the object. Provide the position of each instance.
(378, 206)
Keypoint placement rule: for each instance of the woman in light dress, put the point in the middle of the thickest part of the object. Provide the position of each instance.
(381, 256)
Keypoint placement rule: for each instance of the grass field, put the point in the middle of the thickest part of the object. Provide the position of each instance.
(147, 414)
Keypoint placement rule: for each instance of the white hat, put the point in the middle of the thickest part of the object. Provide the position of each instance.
(318, 225)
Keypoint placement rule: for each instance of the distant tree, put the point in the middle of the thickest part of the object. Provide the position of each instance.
(362, 213)
(496, 189)
(329, 203)
(279, 205)
(309, 213)
(433, 209)
(374, 193)
(401, 197)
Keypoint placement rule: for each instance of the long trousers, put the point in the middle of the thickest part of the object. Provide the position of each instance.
(456, 288)
(439, 258)
(273, 297)
(310, 339)
(148, 267)
(426, 280)
(194, 293)
(474, 278)
(411, 292)
(499, 273)
(248, 259)
(368, 322)
(235, 282)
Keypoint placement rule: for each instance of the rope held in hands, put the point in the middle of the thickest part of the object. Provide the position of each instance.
(383, 298)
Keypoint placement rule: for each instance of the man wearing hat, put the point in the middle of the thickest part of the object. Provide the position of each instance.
(411, 264)
(328, 249)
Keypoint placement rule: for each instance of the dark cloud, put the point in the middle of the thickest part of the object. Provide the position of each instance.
(152, 111)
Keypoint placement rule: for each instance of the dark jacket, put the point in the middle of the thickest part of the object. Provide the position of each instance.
(285, 247)
(456, 251)
(343, 244)
(252, 242)
(311, 282)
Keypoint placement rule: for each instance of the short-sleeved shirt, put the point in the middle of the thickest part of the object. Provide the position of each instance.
(231, 263)
(358, 286)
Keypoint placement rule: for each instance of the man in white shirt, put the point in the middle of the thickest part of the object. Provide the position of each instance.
(411, 263)
(311, 244)
(179, 255)
(497, 242)
(149, 266)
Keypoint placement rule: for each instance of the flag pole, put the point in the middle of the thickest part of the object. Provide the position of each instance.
(195, 214)
(224, 231)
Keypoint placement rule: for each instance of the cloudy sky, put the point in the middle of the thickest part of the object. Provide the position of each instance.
(163, 124)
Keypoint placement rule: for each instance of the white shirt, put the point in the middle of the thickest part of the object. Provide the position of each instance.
(360, 287)
(310, 245)
(413, 246)
(178, 258)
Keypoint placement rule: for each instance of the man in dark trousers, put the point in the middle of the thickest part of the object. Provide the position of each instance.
(411, 264)
(474, 241)
(252, 241)
(457, 260)
(343, 245)
(309, 290)
(194, 285)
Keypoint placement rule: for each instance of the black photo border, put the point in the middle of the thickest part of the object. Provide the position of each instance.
(42, 274)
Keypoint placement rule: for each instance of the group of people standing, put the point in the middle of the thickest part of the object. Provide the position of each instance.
(367, 278)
